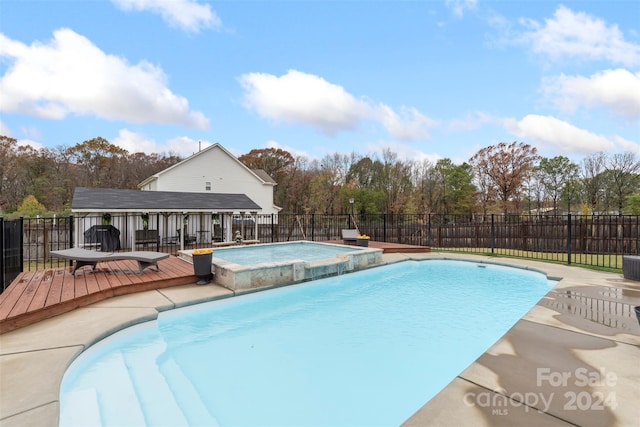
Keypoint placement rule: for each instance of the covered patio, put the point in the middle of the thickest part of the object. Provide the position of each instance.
(114, 219)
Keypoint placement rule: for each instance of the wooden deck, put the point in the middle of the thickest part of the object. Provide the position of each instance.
(38, 295)
(392, 248)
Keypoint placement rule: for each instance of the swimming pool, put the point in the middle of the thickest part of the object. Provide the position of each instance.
(241, 268)
(368, 348)
(276, 252)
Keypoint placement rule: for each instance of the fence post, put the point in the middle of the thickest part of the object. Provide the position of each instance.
(71, 223)
(493, 234)
(22, 245)
(313, 227)
(384, 227)
(273, 231)
(569, 238)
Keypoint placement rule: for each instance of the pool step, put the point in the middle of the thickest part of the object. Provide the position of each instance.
(157, 399)
(89, 407)
(187, 396)
(81, 408)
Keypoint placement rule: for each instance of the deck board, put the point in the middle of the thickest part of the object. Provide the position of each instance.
(26, 297)
(81, 286)
(35, 296)
(55, 288)
(39, 296)
(91, 282)
(11, 297)
(68, 286)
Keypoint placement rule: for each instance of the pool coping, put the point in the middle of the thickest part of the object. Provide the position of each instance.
(548, 343)
(259, 275)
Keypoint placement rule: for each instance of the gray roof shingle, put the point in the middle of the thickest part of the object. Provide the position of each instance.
(109, 199)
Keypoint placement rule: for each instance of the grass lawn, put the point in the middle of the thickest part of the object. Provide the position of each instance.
(601, 262)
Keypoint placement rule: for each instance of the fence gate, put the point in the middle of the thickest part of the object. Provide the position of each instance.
(11, 260)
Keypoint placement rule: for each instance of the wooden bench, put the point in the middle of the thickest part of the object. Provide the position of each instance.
(83, 257)
(350, 236)
(145, 237)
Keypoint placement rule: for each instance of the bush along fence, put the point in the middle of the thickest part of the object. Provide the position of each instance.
(590, 240)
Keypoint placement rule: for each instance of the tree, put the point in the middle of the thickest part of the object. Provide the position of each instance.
(633, 204)
(395, 182)
(592, 179)
(31, 207)
(506, 166)
(8, 173)
(293, 191)
(455, 185)
(425, 181)
(624, 177)
(96, 158)
(273, 161)
(571, 194)
(461, 188)
(363, 173)
(554, 174)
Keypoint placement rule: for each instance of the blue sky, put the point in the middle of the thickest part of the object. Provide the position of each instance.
(425, 79)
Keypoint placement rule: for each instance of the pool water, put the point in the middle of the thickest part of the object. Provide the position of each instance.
(257, 254)
(362, 349)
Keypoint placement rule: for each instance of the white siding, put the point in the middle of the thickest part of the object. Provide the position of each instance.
(225, 174)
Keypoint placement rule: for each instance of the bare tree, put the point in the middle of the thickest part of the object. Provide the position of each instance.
(592, 180)
(506, 166)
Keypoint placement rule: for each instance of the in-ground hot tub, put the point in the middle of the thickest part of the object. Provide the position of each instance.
(247, 267)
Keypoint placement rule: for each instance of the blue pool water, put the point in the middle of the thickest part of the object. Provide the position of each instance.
(362, 349)
(256, 254)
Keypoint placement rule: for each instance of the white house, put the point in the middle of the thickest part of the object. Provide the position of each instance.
(207, 197)
(216, 170)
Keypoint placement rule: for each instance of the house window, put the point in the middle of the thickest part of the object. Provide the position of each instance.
(207, 186)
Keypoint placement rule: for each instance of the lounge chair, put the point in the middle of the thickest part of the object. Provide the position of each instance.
(84, 257)
(350, 236)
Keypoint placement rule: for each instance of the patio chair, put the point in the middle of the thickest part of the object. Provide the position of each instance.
(350, 236)
(84, 257)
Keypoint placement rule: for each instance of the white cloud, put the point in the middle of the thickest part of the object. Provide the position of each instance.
(404, 152)
(563, 137)
(409, 126)
(70, 75)
(5, 130)
(626, 145)
(579, 35)
(459, 7)
(293, 151)
(473, 121)
(185, 146)
(187, 15)
(618, 90)
(306, 99)
(135, 143)
(302, 98)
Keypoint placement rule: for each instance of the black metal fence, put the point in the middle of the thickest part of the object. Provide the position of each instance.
(592, 240)
(11, 242)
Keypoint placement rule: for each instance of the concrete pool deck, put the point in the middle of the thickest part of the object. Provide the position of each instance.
(573, 359)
